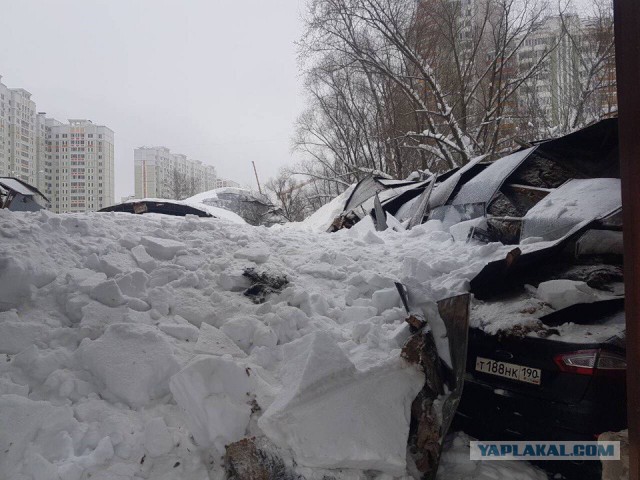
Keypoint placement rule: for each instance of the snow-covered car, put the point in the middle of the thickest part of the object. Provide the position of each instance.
(546, 355)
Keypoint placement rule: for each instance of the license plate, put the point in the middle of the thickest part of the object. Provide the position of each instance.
(512, 371)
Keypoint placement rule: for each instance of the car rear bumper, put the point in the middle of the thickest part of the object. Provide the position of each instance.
(495, 414)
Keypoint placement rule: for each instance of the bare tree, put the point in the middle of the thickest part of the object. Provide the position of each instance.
(451, 61)
(290, 195)
(396, 86)
(176, 186)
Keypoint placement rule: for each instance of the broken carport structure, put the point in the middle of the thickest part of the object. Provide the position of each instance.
(502, 192)
(508, 188)
(179, 208)
(165, 207)
(392, 194)
(19, 196)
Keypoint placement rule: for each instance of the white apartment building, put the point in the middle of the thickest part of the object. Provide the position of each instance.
(223, 182)
(72, 164)
(554, 88)
(79, 165)
(21, 153)
(157, 170)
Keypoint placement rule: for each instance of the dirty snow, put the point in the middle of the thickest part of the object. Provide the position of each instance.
(129, 352)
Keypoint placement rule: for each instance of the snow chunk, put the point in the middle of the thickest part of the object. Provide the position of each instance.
(133, 362)
(157, 438)
(385, 299)
(257, 255)
(108, 293)
(143, 259)
(213, 391)
(133, 284)
(564, 293)
(31, 425)
(234, 281)
(114, 263)
(16, 336)
(326, 397)
(162, 248)
(248, 332)
(372, 239)
(19, 279)
(214, 342)
(181, 331)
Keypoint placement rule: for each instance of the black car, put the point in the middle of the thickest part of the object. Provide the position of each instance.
(541, 387)
(559, 376)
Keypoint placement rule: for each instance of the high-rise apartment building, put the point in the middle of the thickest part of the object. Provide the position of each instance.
(79, 165)
(162, 174)
(223, 182)
(566, 50)
(20, 146)
(72, 164)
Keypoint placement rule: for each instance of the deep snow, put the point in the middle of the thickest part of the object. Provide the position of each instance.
(130, 351)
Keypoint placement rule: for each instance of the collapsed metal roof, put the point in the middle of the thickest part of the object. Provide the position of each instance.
(482, 187)
(365, 189)
(18, 186)
(508, 187)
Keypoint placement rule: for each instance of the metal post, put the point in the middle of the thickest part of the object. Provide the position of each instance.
(256, 172)
(627, 38)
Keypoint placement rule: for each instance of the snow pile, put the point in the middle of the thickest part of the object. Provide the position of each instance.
(570, 204)
(129, 351)
(564, 293)
(322, 218)
(456, 465)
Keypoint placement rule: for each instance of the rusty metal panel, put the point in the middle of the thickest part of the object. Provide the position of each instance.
(627, 38)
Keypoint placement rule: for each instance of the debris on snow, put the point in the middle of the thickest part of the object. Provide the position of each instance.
(263, 284)
(252, 458)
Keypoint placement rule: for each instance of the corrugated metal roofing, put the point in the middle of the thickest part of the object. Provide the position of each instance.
(17, 186)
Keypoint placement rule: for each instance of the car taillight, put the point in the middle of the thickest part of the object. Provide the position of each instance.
(591, 362)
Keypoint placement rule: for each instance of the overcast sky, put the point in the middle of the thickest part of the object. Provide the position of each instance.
(216, 80)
